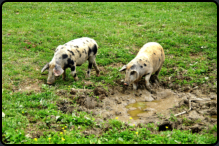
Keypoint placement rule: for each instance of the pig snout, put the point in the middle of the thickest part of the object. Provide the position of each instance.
(126, 84)
(50, 81)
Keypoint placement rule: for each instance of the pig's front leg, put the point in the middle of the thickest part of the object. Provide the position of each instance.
(63, 75)
(89, 68)
(157, 81)
(147, 77)
(73, 73)
(135, 85)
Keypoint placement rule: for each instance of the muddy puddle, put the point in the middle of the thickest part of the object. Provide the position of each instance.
(149, 108)
(141, 107)
(141, 104)
(138, 108)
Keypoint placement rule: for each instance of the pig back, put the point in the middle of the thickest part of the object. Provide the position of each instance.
(155, 54)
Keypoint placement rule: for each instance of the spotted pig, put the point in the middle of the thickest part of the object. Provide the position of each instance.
(73, 53)
(149, 60)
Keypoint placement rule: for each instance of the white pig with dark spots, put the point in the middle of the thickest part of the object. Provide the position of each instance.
(149, 60)
(73, 53)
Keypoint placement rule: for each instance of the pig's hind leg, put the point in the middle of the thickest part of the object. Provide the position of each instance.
(96, 68)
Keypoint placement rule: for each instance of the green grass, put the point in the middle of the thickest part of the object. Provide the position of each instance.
(189, 28)
(32, 31)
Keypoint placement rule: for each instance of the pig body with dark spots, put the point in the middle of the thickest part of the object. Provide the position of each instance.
(73, 53)
(148, 61)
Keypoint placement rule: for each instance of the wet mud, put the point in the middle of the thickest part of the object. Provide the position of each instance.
(144, 107)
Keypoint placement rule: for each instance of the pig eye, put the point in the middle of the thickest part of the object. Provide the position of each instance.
(132, 73)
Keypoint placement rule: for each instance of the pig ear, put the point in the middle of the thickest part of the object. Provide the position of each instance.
(45, 67)
(57, 70)
(123, 68)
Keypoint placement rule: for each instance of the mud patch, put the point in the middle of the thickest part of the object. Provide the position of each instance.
(141, 107)
(164, 100)
(116, 65)
(30, 85)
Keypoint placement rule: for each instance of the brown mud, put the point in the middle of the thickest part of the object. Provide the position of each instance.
(141, 107)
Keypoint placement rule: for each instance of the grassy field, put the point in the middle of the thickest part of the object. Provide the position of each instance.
(32, 31)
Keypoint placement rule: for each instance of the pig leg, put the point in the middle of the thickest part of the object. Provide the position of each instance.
(156, 74)
(157, 81)
(147, 77)
(75, 77)
(135, 85)
(91, 61)
(89, 69)
(64, 75)
(96, 68)
(73, 72)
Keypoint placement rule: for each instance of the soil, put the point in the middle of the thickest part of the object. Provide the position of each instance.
(144, 107)
(124, 102)
(29, 85)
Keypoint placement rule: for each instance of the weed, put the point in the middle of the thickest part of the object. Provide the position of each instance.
(173, 118)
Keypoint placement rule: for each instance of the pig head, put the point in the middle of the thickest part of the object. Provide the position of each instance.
(55, 69)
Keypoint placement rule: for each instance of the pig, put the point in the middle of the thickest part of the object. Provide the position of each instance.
(149, 60)
(71, 54)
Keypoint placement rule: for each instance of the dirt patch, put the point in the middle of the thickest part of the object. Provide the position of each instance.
(33, 130)
(29, 85)
(144, 107)
(116, 65)
(141, 105)
(195, 55)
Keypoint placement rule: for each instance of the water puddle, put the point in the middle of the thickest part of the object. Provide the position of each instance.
(135, 112)
(139, 105)
(145, 109)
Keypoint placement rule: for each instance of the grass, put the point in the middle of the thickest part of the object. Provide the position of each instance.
(31, 32)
